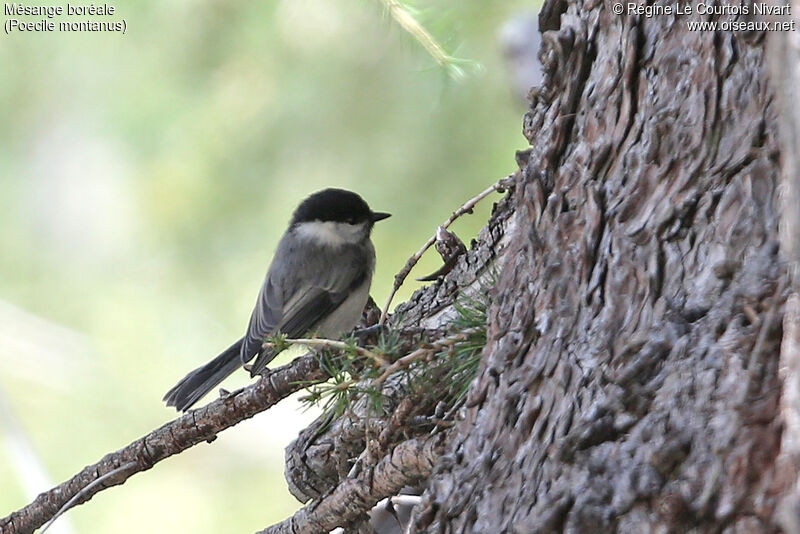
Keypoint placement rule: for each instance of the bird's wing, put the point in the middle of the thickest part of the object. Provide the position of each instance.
(306, 311)
(293, 303)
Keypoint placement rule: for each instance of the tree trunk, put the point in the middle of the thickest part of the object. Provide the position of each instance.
(631, 378)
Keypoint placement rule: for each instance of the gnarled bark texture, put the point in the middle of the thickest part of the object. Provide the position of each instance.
(784, 62)
(631, 379)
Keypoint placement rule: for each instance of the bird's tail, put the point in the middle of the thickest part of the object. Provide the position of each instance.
(193, 386)
(259, 366)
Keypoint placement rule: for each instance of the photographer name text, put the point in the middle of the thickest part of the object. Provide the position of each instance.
(700, 8)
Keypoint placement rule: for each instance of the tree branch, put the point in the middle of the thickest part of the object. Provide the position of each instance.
(399, 278)
(409, 462)
(336, 345)
(426, 350)
(195, 426)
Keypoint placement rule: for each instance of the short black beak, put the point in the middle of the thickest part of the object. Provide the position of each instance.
(379, 216)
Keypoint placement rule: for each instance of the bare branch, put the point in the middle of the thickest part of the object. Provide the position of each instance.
(400, 277)
(407, 464)
(336, 345)
(195, 426)
(422, 352)
(70, 503)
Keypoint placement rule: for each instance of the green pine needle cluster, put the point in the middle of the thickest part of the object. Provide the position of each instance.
(441, 374)
(453, 371)
(347, 369)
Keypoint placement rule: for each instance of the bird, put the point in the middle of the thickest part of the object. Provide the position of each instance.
(317, 283)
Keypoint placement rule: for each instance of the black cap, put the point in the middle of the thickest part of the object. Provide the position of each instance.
(335, 205)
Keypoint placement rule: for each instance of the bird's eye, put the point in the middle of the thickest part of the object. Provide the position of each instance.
(352, 220)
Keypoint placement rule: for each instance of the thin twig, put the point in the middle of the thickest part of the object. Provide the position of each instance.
(422, 352)
(404, 362)
(400, 277)
(85, 491)
(334, 344)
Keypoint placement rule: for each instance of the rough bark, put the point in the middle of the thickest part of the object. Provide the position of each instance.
(631, 380)
(784, 62)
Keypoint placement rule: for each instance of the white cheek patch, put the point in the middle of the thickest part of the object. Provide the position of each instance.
(332, 233)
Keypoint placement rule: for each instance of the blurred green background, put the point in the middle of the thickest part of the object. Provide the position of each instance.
(145, 179)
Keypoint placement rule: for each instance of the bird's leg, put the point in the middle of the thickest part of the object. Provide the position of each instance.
(369, 334)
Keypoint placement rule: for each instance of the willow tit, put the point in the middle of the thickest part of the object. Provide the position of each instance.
(318, 282)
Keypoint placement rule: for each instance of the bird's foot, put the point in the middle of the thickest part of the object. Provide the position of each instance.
(369, 335)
